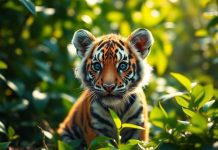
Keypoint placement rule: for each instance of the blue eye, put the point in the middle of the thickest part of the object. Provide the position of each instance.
(96, 66)
(123, 66)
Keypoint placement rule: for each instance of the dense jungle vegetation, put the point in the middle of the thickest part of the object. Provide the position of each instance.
(37, 62)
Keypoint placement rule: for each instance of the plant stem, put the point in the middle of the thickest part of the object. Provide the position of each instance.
(118, 138)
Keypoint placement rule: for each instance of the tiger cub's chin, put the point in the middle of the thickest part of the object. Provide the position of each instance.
(111, 101)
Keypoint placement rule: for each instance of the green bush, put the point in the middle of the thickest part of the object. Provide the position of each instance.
(197, 127)
(38, 87)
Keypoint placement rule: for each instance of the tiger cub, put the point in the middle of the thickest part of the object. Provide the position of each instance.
(113, 72)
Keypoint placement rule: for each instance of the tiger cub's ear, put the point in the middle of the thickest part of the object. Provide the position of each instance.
(82, 40)
(141, 40)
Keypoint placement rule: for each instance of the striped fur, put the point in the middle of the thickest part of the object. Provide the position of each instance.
(113, 73)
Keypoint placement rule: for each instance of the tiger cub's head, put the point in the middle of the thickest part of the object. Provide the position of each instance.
(113, 66)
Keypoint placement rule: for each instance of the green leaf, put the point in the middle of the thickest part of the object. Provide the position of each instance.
(162, 109)
(11, 132)
(29, 5)
(213, 22)
(64, 146)
(134, 142)
(100, 141)
(186, 123)
(69, 145)
(182, 80)
(40, 99)
(157, 117)
(171, 95)
(171, 120)
(108, 148)
(168, 146)
(182, 101)
(14, 137)
(129, 125)
(207, 105)
(4, 145)
(198, 94)
(208, 94)
(76, 143)
(188, 112)
(2, 128)
(115, 118)
(198, 124)
(45, 76)
(3, 65)
(127, 147)
(46, 133)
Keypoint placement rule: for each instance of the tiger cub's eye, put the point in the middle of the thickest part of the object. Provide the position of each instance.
(123, 66)
(96, 66)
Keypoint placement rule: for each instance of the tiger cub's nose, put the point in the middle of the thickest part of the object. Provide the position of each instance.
(108, 87)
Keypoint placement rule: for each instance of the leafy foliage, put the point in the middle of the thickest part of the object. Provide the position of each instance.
(198, 129)
(38, 87)
(105, 142)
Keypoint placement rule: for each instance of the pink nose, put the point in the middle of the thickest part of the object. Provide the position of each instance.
(108, 87)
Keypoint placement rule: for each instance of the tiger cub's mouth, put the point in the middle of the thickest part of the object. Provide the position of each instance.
(111, 96)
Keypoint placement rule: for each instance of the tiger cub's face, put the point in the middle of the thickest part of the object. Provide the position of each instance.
(113, 66)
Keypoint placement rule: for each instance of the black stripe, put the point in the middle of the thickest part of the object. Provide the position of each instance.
(120, 90)
(100, 42)
(95, 58)
(126, 82)
(98, 86)
(128, 73)
(92, 74)
(129, 103)
(77, 132)
(120, 46)
(125, 58)
(100, 119)
(101, 45)
(120, 86)
(68, 134)
(134, 67)
(127, 134)
(103, 131)
(121, 42)
(105, 107)
(84, 68)
(98, 89)
(136, 115)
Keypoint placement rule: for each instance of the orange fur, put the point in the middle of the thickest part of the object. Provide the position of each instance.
(80, 111)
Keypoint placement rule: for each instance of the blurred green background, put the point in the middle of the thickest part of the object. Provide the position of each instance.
(37, 60)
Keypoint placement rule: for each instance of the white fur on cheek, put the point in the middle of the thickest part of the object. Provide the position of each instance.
(78, 72)
(146, 73)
